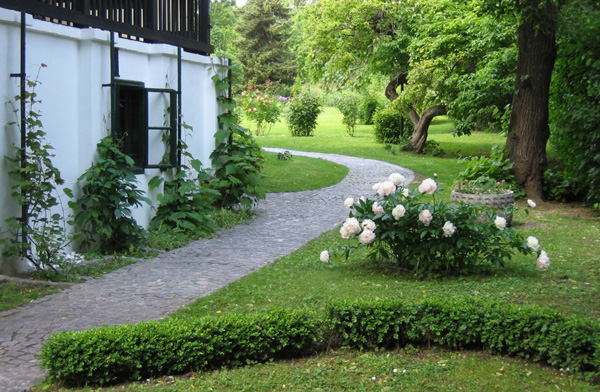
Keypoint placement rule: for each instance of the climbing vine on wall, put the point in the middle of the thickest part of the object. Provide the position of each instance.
(40, 233)
(237, 160)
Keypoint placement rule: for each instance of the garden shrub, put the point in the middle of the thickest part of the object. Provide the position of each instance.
(302, 113)
(431, 238)
(368, 105)
(262, 107)
(107, 355)
(558, 186)
(391, 126)
(348, 104)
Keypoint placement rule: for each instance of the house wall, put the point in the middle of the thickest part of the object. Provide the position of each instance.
(75, 105)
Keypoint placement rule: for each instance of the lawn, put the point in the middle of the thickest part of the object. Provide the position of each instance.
(569, 233)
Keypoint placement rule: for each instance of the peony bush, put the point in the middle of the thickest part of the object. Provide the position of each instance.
(427, 236)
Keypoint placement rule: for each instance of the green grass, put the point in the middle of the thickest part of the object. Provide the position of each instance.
(569, 233)
(331, 137)
(15, 294)
(299, 174)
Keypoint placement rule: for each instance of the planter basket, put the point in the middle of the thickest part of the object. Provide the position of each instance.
(498, 201)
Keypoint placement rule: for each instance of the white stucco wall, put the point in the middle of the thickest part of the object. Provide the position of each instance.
(75, 105)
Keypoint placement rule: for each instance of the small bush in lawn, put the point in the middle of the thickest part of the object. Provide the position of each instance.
(348, 104)
(431, 237)
(262, 107)
(302, 112)
(390, 125)
(368, 106)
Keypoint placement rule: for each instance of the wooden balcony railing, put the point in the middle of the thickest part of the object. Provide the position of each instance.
(184, 23)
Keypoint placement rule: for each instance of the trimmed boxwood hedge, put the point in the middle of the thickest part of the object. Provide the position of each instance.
(107, 355)
(531, 332)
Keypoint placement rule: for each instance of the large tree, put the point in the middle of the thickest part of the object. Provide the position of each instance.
(429, 50)
(264, 28)
(528, 130)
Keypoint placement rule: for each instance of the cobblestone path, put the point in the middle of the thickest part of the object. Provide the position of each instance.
(153, 289)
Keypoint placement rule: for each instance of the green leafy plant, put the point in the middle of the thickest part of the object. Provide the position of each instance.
(483, 185)
(496, 167)
(237, 159)
(262, 107)
(348, 104)
(109, 193)
(186, 203)
(558, 186)
(302, 113)
(284, 156)
(40, 234)
(431, 238)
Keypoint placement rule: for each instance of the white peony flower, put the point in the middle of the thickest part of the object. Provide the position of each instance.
(366, 237)
(405, 192)
(344, 232)
(377, 209)
(425, 216)
(352, 226)
(428, 186)
(349, 202)
(543, 261)
(533, 243)
(368, 224)
(397, 178)
(448, 229)
(324, 256)
(376, 187)
(531, 203)
(500, 222)
(398, 211)
(386, 188)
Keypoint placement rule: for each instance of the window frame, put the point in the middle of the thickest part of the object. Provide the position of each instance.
(137, 145)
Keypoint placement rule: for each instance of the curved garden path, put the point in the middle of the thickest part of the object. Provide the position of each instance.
(152, 289)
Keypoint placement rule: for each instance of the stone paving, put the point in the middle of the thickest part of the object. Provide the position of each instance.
(152, 289)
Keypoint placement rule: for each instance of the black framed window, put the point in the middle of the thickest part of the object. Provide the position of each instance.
(145, 124)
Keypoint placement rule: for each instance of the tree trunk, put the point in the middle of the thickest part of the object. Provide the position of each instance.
(419, 136)
(528, 130)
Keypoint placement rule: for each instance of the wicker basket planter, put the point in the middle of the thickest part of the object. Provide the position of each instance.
(498, 201)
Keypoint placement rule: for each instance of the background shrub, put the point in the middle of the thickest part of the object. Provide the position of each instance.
(391, 126)
(302, 112)
(348, 104)
(368, 105)
(558, 186)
